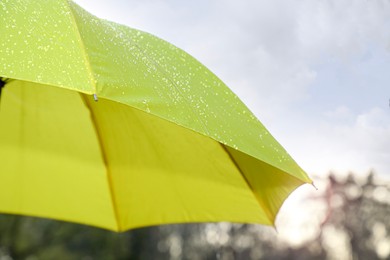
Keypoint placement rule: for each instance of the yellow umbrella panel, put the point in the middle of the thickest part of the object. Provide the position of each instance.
(166, 142)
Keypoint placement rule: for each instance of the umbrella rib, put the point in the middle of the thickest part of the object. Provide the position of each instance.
(104, 156)
(268, 214)
(83, 49)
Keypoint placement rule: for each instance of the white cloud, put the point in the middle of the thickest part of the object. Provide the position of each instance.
(358, 143)
(340, 113)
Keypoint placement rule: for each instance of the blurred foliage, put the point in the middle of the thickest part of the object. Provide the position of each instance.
(356, 225)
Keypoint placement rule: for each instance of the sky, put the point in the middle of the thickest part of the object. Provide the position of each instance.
(316, 73)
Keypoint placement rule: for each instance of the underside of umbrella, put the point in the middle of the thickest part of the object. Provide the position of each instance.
(166, 142)
(65, 156)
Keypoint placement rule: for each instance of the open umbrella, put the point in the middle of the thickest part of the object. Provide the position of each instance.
(109, 126)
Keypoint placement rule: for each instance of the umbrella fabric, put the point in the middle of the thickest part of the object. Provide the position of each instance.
(166, 142)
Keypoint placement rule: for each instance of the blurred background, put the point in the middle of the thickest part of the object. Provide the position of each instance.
(316, 73)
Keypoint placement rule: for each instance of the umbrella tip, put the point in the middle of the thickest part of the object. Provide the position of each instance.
(315, 187)
(275, 228)
(95, 97)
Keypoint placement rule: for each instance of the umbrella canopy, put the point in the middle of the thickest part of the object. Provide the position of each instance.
(166, 141)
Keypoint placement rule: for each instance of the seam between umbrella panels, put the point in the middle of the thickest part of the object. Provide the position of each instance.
(104, 156)
(143, 51)
(82, 47)
(248, 183)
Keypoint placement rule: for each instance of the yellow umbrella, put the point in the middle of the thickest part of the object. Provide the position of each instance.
(109, 126)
